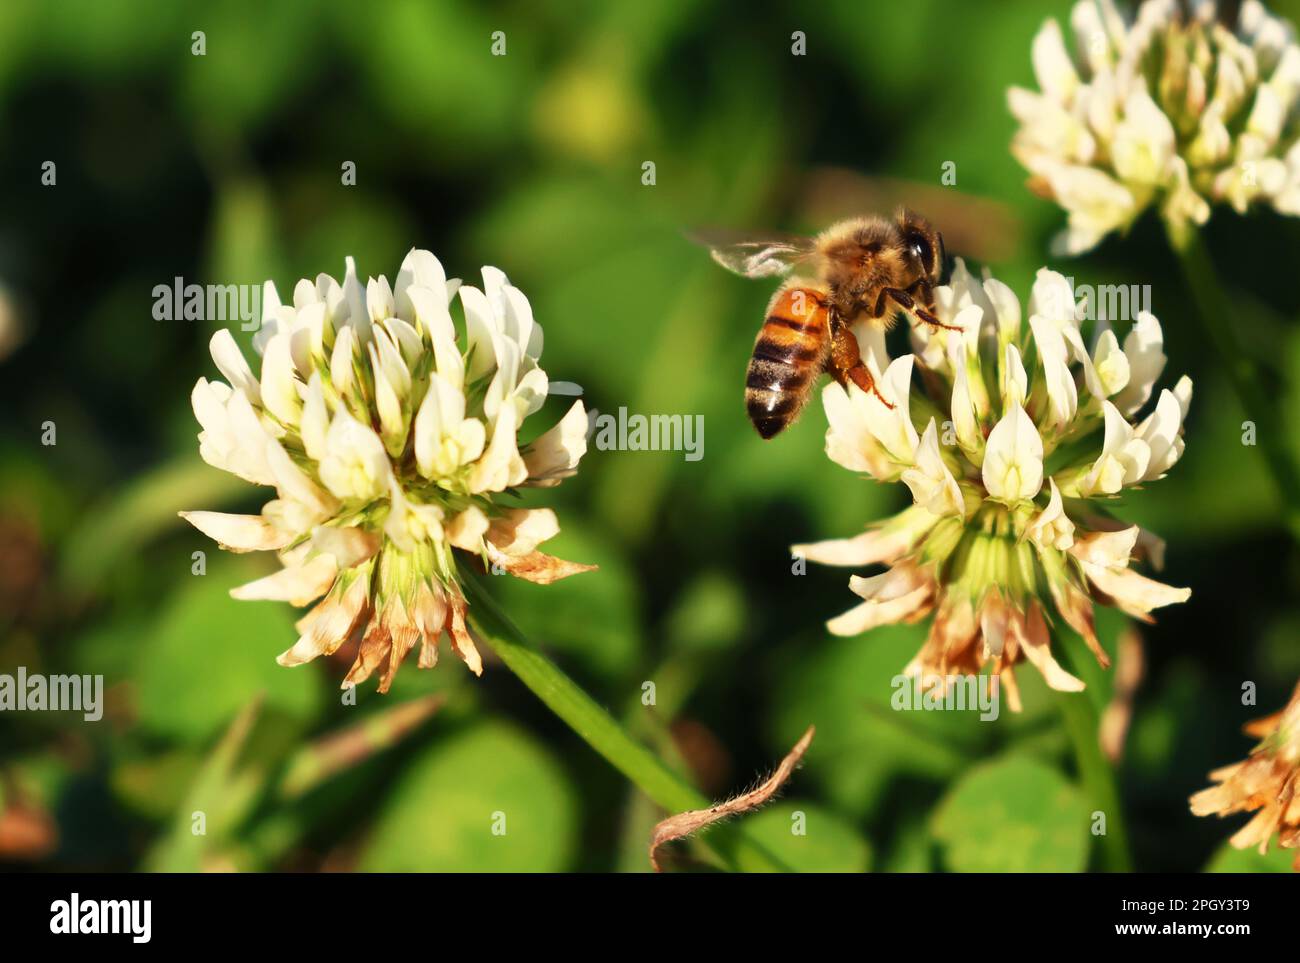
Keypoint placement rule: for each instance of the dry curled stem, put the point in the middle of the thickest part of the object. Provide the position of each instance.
(684, 824)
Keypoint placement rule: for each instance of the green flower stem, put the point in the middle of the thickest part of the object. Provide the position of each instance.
(1218, 323)
(1098, 777)
(598, 729)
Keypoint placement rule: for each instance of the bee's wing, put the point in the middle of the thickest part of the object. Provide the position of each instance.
(756, 257)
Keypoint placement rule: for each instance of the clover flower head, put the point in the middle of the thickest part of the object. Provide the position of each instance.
(1011, 437)
(1176, 109)
(391, 438)
(1267, 783)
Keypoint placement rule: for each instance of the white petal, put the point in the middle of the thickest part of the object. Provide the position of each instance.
(230, 362)
(519, 324)
(233, 438)
(1015, 382)
(1052, 298)
(520, 530)
(893, 427)
(1097, 204)
(1111, 549)
(1134, 593)
(884, 544)
(933, 485)
(495, 471)
(1144, 141)
(349, 545)
(965, 417)
(315, 420)
(209, 402)
(239, 533)
(419, 269)
(890, 597)
(356, 464)
(1052, 528)
(849, 442)
(409, 523)
(467, 530)
(1123, 460)
(1183, 392)
(296, 585)
(480, 332)
(270, 325)
(1062, 394)
(392, 421)
(342, 375)
(293, 484)
(1006, 308)
(1013, 459)
(555, 455)
(410, 346)
(379, 299)
(355, 298)
(304, 293)
(530, 393)
(1110, 366)
(1035, 644)
(1146, 359)
(1160, 431)
(870, 615)
(1052, 65)
(279, 382)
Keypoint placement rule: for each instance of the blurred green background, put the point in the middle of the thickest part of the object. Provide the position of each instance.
(226, 168)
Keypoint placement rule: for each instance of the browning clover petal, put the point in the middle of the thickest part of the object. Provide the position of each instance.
(1267, 783)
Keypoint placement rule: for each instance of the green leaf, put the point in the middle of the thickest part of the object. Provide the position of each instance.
(808, 838)
(208, 654)
(1013, 815)
(443, 812)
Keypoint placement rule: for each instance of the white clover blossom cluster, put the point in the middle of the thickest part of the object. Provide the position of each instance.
(1171, 110)
(1010, 440)
(389, 440)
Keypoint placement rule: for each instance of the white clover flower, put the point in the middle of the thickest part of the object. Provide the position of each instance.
(389, 445)
(1027, 432)
(1171, 110)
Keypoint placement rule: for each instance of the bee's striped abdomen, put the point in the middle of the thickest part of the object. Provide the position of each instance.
(789, 354)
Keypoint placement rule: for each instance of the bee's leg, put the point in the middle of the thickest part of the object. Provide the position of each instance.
(845, 363)
(908, 304)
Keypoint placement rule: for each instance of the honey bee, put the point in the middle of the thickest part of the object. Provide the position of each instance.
(861, 269)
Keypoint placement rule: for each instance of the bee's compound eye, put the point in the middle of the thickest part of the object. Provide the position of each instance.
(922, 251)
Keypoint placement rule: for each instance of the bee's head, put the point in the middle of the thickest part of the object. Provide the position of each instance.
(924, 246)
